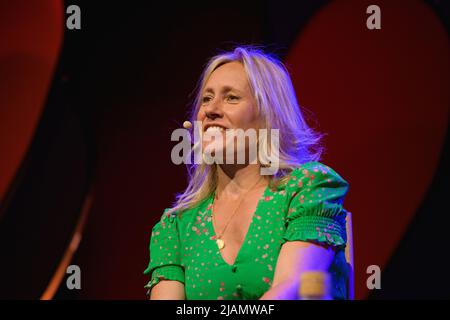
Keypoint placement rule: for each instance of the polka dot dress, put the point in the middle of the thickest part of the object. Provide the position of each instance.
(308, 207)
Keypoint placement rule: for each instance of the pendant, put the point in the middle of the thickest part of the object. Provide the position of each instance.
(220, 243)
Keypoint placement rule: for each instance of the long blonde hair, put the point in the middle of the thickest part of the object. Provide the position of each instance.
(277, 105)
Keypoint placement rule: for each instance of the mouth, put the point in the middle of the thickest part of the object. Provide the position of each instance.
(214, 127)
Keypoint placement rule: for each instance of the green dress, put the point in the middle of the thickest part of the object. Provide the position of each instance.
(307, 208)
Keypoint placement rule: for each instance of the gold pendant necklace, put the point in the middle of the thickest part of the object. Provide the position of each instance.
(219, 241)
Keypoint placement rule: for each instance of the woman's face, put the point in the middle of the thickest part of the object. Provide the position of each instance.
(227, 102)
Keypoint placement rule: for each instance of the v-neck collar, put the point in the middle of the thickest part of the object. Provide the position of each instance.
(249, 230)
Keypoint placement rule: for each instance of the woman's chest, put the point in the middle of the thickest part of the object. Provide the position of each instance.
(209, 276)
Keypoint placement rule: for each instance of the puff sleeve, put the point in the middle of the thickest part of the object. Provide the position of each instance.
(165, 257)
(316, 212)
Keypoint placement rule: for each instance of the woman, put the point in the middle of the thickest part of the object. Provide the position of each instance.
(237, 234)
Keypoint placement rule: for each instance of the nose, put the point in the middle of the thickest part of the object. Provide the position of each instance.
(213, 110)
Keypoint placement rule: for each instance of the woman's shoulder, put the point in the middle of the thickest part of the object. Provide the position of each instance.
(175, 215)
(313, 172)
(313, 168)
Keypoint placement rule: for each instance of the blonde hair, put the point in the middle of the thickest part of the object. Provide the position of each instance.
(277, 105)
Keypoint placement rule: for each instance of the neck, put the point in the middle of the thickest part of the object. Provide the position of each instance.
(234, 180)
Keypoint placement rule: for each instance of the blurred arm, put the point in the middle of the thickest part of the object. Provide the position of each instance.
(168, 290)
(296, 257)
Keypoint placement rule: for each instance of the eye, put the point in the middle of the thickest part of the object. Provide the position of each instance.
(206, 99)
(232, 98)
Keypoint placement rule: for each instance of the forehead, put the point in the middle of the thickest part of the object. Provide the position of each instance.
(231, 74)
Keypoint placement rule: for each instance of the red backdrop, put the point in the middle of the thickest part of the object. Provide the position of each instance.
(380, 95)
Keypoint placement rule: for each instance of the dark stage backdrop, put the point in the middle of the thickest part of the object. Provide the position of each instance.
(86, 117)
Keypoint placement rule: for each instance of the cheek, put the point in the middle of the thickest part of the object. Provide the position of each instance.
(200, 115)
(244, 117)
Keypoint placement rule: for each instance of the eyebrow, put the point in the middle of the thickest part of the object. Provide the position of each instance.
(225, 89)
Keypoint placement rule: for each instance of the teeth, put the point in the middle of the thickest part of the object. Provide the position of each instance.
(215, 128)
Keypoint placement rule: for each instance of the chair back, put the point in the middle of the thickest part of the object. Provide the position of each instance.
(349, 258)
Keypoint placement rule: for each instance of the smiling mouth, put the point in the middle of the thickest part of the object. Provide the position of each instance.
(214, 128)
